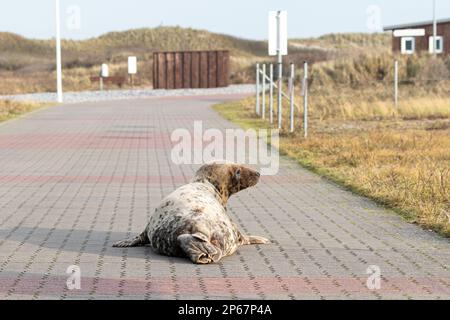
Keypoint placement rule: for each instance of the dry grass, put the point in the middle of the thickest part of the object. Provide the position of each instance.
(355, 107)
(404, 164)
(379, 41)
(13, 109)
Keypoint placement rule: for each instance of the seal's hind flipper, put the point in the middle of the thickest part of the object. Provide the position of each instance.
(198, 248)
(255, 240)
(140, 240)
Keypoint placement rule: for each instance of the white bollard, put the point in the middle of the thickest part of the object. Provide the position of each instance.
(257, 89)
(264, 91)
(280, 72)
(280, 100)
(271, 93)
(305, 99)
(291, 98)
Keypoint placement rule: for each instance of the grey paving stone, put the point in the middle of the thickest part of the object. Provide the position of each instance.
(76, 178)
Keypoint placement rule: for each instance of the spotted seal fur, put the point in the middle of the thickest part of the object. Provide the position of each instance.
(193, 221)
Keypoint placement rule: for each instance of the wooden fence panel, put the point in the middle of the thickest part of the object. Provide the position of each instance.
(170, 71)
(223, 73)
(187, 69)
(212, 69)
(220, 68)
(155, 70)
(190, 69)
(195, 70)
(178, 70)
(203, 69)
(161, 70)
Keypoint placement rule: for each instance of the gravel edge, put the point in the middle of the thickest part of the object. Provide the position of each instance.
(110, 95)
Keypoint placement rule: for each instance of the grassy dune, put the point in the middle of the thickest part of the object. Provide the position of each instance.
(28, 65)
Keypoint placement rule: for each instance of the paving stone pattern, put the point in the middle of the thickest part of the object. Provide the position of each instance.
(76, 178)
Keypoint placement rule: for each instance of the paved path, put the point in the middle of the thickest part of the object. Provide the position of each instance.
(76, 178)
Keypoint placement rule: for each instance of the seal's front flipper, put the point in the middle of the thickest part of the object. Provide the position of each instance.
(140, 240)
(247, 240)
(198, 248)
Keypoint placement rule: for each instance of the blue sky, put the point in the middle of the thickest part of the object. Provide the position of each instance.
(248, 19)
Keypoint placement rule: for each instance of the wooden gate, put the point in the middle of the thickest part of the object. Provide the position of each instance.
(191, 69)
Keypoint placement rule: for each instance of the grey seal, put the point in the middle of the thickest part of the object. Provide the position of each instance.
(193, 222)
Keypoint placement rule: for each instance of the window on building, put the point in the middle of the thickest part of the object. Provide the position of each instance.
(439, 44)
(408, 45)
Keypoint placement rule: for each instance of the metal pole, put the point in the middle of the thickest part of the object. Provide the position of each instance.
(271, 93)
(396, 84)
(434, 28)
(257, 89)
(280, 69)
(58, 55)
(264, 91)
(305, 98)
(291, 87)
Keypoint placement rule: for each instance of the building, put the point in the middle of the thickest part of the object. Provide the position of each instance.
(418, 37)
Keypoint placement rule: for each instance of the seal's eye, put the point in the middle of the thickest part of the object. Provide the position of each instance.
(238, 174)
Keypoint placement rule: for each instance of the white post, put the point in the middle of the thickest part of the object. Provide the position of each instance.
(280, 70)
(271, 93)
(291, 98)
(58, 55)
(434, 28)
(257, 89)
(396, 83)
(264, 91)
(305, 98)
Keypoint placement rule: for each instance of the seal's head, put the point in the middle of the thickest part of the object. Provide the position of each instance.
(227, 178)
